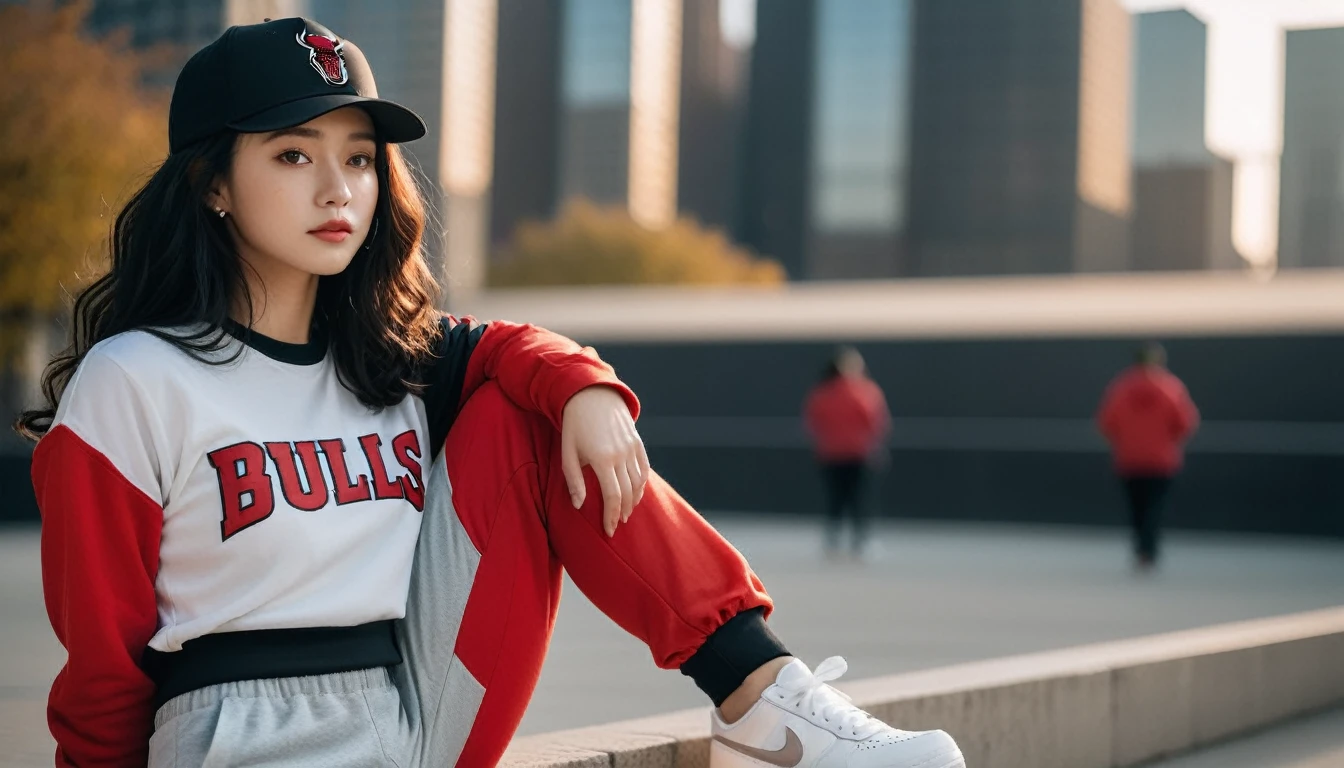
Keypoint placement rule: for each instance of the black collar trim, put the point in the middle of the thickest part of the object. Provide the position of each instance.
(311, 353)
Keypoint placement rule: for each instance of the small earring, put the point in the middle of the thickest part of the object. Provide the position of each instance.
(368, 242)
(220, 211)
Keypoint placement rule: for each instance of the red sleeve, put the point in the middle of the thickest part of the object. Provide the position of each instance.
(100, 555)
(538, 370)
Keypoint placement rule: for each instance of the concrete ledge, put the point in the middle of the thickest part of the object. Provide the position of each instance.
(1098, 706)
(1110, 305)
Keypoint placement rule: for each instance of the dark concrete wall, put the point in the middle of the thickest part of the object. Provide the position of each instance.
(987, 430)
(1002, 430)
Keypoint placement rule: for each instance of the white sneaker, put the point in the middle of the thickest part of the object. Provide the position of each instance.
(801, 722)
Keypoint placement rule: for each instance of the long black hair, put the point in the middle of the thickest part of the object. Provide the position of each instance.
(174, 267)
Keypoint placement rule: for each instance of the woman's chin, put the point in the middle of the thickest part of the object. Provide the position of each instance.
(332, 262)
(333, 269)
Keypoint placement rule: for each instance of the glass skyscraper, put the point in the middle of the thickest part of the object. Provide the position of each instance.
(594, 126)
(590, 99)
(1182, 191)
(1311, 185)
(1019, 141)
(827, 145)
(860, 140)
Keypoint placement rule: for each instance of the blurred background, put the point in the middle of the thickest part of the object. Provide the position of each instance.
(996, 200)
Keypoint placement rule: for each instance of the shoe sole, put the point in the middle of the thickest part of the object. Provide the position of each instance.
(727, 757)
(952, 759)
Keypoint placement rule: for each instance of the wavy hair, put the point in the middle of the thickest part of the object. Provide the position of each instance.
(173, 265)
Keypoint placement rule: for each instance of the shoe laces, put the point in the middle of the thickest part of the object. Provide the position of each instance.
(809, 691)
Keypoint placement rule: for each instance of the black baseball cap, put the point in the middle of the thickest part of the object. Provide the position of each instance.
(278, 74)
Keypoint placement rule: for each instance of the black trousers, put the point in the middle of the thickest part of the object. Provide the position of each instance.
(845, 483)
(1146, 494)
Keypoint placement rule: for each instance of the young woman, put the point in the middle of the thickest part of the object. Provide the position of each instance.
(293, 516)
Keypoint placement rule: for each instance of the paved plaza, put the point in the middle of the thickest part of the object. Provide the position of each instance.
(936, 595)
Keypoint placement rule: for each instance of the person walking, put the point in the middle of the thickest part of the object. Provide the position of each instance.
(846, 415)
(1147, 416)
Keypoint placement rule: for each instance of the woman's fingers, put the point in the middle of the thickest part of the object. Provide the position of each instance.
(627, 490)
(611, 496)
(573, 469)
(642, 465)
(637, 481)
(598, 432)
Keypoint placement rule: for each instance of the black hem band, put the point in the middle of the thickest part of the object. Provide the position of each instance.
(732, 652)
(261, 654)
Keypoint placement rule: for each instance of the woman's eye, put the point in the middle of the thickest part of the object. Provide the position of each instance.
(292, 157)
(361, 161)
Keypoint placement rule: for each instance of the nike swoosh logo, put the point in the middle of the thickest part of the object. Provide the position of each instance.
(788, 756)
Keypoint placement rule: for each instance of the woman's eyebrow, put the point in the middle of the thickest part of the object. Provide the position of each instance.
(313, 133)
(298, 130)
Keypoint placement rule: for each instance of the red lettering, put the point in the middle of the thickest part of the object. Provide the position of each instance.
(406, 447)
(316, 496)
(241, 469)
(383, 487)
(346, 491)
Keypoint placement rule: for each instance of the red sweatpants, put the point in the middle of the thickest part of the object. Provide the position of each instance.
(498, 528)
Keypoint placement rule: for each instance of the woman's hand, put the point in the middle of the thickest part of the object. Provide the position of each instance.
(596, 430)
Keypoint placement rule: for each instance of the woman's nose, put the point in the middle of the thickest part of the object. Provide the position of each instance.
(335, 190)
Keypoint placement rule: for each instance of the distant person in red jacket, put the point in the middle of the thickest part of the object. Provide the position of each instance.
(846, 415)
(1147, 416)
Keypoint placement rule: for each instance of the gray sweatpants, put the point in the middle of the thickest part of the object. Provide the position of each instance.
(365, 718)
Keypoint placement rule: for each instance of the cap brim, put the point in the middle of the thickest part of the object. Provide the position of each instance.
(393, 122)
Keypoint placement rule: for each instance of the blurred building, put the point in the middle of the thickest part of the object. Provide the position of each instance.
(189, 23)
(776, 144)
(826, 148)
(1019, 137)
(180, 27)
(1182, 190)
(938, 137)
(596, 95)
(526, 83)
(596, 99)
(1311, 191)
(713, 101)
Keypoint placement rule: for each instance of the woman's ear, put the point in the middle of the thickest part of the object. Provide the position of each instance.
(217, 199)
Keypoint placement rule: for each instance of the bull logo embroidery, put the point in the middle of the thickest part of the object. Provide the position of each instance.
(325, 54)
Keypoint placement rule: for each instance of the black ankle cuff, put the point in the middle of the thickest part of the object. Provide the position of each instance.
(732, 652)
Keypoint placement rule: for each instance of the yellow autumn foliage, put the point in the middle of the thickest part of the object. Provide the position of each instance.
(590, 245)
(78, 133)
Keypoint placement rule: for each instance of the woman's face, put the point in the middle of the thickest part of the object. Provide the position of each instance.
(301, 200)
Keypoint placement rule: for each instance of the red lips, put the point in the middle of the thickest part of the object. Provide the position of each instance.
(333, 231)
(335, 225)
